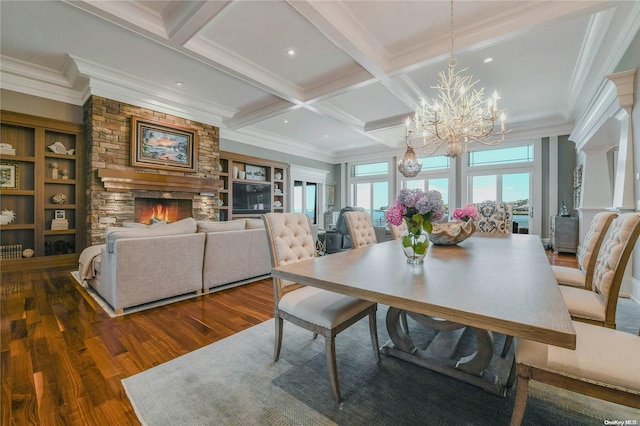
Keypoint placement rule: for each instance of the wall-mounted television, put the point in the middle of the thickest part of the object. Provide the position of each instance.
(251, 198)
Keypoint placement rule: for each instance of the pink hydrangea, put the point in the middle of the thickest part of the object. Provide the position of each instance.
(395, 213)
(467, 212)
(411, 202)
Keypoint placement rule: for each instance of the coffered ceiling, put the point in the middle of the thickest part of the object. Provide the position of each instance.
(358, 68)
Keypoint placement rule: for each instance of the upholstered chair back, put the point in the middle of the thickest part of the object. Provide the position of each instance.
(290, 241)
(361, 229)
(494, 217)
(588, 250)
(396, 231)
(614, 255)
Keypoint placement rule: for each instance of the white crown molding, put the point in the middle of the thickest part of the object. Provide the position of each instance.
(536, 131)
(34, 80)
(594, 37)
(137, 15)
(602, 107)
(114, 84)
(261, 139)
(624, 39)
(307, 173)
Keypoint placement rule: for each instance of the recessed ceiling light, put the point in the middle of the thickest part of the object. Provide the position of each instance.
(326, 136)
(487, 60)
(286, 121)
(179, 83)
(291, 52)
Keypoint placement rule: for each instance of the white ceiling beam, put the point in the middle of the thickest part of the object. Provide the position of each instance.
(335, 21)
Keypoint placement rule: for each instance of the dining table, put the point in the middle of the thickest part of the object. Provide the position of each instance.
(487, 284)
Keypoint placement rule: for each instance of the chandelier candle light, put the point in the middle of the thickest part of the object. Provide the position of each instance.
(459, 116)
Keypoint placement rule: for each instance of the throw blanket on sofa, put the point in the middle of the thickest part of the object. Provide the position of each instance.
(87, 260)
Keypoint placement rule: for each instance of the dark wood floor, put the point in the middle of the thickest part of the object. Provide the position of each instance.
(62, 357)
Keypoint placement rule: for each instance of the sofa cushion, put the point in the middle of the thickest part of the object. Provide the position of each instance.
(184, 226)
(255, 224)
(211, 226)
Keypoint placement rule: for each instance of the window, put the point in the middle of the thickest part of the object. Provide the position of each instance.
(503, 175)
(435, 163)
(438, 184)
(370, 189)
(435, 175)
(307, 192)
(372, 169)
(516, 154)
(374, 198)
(305, 199)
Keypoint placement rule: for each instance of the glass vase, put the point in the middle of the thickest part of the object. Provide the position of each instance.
(415, 242)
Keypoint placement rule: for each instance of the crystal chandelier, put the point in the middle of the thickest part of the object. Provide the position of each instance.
(459, 116)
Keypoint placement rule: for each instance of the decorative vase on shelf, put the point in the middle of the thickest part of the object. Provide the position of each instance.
(278, 175)
(235, 172)
(59, 199)
(415, 242)
(242, 175)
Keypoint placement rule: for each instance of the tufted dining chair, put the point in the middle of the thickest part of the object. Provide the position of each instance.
(319, 311)
(598, 304)
(494, 217)
(587, 254)
(396, 231)
(601, 366)
(361, 229)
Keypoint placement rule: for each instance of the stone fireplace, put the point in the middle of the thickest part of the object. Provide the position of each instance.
(115, 188)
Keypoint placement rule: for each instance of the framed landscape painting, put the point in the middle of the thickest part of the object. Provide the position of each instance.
(9, 175)
(160, 146)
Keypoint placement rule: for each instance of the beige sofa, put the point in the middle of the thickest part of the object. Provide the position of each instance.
(141, 264)
(236, 252)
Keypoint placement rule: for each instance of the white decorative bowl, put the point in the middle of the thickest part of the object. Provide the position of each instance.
(450, 233)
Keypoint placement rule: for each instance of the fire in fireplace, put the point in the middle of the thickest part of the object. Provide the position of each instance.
(150, 210)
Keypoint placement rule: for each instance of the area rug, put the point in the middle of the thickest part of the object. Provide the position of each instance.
(235, 382)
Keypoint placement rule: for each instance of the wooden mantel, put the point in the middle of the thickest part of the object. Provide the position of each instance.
(123, 180)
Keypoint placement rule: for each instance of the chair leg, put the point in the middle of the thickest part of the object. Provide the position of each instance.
(405, 324)
(508, 341)
(278, 343)
(315, 335)
(373, 330)
(520, 404)
(330, 345)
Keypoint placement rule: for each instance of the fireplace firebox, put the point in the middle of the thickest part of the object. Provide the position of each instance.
(150, 210)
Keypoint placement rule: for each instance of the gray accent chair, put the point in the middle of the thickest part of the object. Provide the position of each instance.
(339, 239)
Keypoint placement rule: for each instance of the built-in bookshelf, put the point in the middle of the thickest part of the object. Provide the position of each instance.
(251, 186)
(42, 184)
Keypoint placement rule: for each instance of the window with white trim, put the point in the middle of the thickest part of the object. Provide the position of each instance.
(435, 175)
(370, 189)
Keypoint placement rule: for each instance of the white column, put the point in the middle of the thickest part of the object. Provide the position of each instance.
(596, 195)
(623, 196)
